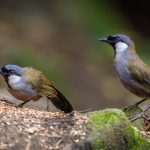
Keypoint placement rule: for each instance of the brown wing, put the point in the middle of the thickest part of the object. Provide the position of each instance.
(44, 87)
(36, 78)
(140, 72)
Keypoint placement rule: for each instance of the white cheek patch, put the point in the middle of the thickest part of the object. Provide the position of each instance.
(13, 79)
(121, 47)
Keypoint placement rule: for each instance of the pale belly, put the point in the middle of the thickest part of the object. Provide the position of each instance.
(128, 81)
(24, 95)
(23, 92)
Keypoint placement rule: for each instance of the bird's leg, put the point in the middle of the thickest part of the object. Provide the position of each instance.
(146, 109)
(21, 105)
(141, 115)
(6, 101)
(47, 107)
(134, 105)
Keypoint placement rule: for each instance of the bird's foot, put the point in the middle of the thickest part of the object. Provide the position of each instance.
(141, 115)
(127, 108)
(22, 104)
(135, 105)
(6, 101)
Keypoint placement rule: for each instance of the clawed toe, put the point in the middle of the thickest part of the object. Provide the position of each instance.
(127, 108)
(139, 116)
(134, 112)
(6, 101)
(22, 104)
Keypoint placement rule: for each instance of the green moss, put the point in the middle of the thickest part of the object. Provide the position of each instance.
(141, 143)
(111, 129)
(106, 117)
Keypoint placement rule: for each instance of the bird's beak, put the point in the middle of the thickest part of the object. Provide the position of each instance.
(0, 70)
(104, 40)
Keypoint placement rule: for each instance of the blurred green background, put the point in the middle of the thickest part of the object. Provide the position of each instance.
(60, 38)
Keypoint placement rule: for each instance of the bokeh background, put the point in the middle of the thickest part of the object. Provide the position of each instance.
(60, 38)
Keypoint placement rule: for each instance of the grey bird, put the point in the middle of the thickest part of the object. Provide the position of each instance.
(133, 73)
(27, 83)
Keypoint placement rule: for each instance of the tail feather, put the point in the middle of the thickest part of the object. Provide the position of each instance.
(61, 102)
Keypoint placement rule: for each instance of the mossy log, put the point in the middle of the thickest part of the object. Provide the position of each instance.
(110, 129)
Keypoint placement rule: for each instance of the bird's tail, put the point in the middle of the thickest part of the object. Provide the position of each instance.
(61, 102)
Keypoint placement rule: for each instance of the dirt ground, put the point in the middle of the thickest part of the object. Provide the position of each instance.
(26, 129)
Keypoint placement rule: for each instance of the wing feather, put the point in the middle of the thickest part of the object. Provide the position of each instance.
(140, 72)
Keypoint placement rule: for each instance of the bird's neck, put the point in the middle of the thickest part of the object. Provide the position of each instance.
(126, 54)
(12, 80)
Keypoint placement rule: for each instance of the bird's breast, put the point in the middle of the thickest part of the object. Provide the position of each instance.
(123, 73)
(22, 91)
(121, 63)
(121, 66)
(128, 81)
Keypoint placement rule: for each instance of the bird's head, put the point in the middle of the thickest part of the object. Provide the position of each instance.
(119, 42)
(12, 72)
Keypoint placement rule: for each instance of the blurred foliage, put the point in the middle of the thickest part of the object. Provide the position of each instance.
(61, 39)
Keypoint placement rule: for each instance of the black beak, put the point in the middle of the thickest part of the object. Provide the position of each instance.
(0, 70)
(104, 40)
(3, 71)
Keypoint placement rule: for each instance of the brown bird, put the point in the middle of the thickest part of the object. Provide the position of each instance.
(132, 71)
(27, 83)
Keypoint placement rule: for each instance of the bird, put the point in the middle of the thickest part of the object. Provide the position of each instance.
(133, 73)
(27, 83)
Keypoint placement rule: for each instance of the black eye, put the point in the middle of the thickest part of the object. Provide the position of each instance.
(11, 72)
(116, 39)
